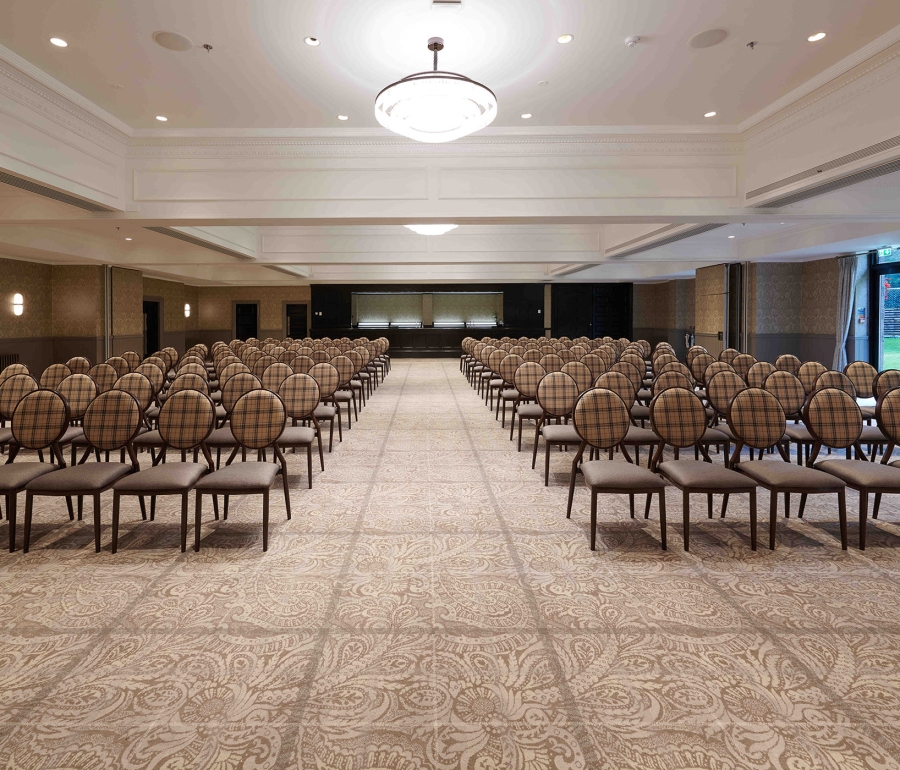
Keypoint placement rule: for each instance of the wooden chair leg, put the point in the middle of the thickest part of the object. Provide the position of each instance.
(876, 505)
(309, 463)
(686, 515)
(184, 518)
(631, 505)
(265, 513)
(97, 523)
(753, 519)
(842, 515)
(863, 513)
(115, 521)
(29, 502)
(547, 464)
(198, 511)
(662, 517)
(773, 517)
(11, 519)
(593, 520)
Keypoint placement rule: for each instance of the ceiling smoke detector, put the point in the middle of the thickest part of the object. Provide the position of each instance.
(708, 39)
(632, 41)
(173, 41)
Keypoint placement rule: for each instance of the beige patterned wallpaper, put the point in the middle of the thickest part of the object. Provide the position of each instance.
(710, 299)
(775, 298)
(32, 281)
(77, 297)
(127, 302)
(215, 304)
(666, 305)
(820, 293)
(189, 295)
(685, 301)
(172, 294)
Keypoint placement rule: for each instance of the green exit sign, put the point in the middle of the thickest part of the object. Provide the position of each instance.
(885, 253)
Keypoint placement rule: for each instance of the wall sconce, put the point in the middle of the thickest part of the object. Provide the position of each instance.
(187, 311)
(18, 304)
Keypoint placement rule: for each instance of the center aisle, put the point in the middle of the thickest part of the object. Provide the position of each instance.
(430, 606)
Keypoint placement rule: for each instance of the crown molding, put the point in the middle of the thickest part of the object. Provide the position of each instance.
(66, 97)
(835, 71)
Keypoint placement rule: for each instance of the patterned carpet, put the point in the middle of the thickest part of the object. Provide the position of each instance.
(429, 606)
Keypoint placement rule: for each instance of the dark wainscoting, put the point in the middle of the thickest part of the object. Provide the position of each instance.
(122, 344)
(675, 337)
(34, 352)
(427, 342)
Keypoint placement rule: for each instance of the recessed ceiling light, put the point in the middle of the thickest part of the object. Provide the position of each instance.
(431, 229)
(128, 239)
(731, 236)
(526, 115)
(563, 39)
(542, 82)
(161, 118)
(709, 115)
(343, 117)
(313, 41)
(709, 38)
(58, 41)
(816, 38)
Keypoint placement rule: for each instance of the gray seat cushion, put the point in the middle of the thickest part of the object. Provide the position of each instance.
(530, 411)
(5, 435)
(324, 412)
(872, 434)
(560, 434)
(73, 433)
(644, 394)
(773, 474)
(221, 437)
(297, 436)
(343, 395)
(615, 476)
(80, 479)
(695, 473)
(640, 412)
(239, 478)
(798, 432)
(509, 394)
(17, 475)
(860, 473)
(639, 436)
(713, 435)
(149, 439)
(221, 414)
(169, 478)
(725, 431)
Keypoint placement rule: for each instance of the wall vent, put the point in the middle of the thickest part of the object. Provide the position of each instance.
(8, 359)
(196, 241)
(47, 192)
(810, 173)
(836, 184)
(679, 236)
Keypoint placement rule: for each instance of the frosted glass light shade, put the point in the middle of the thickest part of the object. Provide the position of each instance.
(18, 304)
(431, 229)
(435, 107)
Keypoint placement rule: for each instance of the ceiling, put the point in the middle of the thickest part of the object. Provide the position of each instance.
(260, 74)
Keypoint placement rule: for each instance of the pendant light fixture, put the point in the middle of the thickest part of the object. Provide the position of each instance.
(435, 106)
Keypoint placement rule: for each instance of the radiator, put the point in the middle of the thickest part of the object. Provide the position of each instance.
(8, 359)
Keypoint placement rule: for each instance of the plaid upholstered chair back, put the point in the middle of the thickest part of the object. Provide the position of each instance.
(257, 419)
(274, 375)
(104, 375)
(138, 386)
(788, 363)
(119, 364)
(721, 388)
(601, 418)
(580, 373)
(494, 360)
(131, 357)
(677, 366)
(756, 418)
(189, 358)
(186, 419)
(551, 362)
(619, 384)
(320, 357)
(608, 354)
(300, 394)
(517, 350)
(886, 381)
(225, 360)
(333, 351)
(261, 364)
(728, 355)
(758, 373)
(693, 352)
(887, 414)
(153, 373)
(509, 365)
(78, 390)
(809, 373)
(862, 374)
(661, 360)
(533, 355)
(713, 369)
(80, 365)
(237, 386)
(286, 355)
(40, 419)
(787, 389)
(528, 375)
(677, 416)
(344, 368)
(635, 375)
(483, 357)
(12, 390)
(189, 381)
(698, 367)
(277, 352)
(12, 370)
(250, 356)
(579, 351)
(833, 417)
(232, 369)
(302, 364)
(354, 357)
(566, 355)
(157, 361)
(635, 360)
(53, 375)
(327, 377)
(192, 368)
(670, 379)
(593, 362)
(364, 354)
(833, 379)
(742, 364)
(112, 420)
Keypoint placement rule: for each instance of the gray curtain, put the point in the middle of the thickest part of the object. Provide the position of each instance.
(850, 270)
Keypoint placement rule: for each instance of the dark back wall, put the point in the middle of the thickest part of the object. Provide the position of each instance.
(591, 309)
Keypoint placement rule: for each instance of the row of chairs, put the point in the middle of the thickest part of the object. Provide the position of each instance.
(248, 418)
(685, 415)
